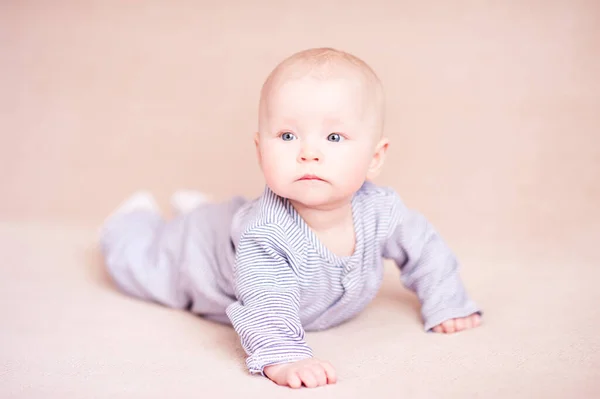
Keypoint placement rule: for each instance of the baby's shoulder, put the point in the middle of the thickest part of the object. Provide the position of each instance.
(378, 198)
(380, 208)
(265, 218)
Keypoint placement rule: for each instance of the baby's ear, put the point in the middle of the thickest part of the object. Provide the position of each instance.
(257, 146)
(378, 158)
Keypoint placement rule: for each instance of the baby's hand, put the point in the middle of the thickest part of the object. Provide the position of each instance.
(310, 372)
(459, 324)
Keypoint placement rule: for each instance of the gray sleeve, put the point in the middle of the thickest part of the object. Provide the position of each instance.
(266, 313)
(428, 267)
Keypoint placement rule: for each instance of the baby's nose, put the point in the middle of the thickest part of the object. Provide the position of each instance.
(309, 154)
(307, 157)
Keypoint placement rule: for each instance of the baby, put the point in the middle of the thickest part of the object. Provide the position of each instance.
(308, 253)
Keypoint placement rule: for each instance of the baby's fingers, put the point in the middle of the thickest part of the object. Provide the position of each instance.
(449, 326)
(330, 373)
(438, 329)
(308, 378)
(468, 323)
(293, 380)
(320, 376)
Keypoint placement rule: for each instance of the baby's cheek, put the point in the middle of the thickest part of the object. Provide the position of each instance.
(272, 173)
(355, 167)
(276, 174)
(354, 174)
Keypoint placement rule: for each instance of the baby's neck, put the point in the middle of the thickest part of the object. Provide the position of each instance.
(325, 219)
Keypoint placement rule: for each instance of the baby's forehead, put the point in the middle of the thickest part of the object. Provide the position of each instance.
(324, 65)
(305, 71)
(295, 88)
(345, 90)
(340, 105)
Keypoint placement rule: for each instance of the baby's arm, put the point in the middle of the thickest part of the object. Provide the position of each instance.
(266, 314)
(430, 269)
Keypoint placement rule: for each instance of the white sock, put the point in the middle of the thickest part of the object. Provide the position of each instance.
(139, 201)
(184, 201)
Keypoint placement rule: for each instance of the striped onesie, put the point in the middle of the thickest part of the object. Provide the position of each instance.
(255, 264)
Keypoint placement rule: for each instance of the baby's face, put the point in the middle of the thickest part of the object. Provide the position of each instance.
(318, 138)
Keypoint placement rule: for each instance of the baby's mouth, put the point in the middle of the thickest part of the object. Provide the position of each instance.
(309, 177)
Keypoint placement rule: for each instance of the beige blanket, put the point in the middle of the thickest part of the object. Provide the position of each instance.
(494, 122)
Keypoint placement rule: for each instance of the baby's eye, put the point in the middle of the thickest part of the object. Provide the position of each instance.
(335, 137)
(287, 136)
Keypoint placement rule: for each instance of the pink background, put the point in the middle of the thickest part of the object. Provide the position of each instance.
(493, 116)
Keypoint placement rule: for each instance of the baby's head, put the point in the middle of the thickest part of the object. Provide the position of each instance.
(320, 130)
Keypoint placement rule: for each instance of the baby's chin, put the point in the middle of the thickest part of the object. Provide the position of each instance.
(313, 194)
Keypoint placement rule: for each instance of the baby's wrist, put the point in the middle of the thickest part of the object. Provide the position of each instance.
(276, 366)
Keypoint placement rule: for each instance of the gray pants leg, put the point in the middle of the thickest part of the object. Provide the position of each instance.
(143, 254)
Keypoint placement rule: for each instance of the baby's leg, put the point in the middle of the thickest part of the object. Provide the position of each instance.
(143, 252)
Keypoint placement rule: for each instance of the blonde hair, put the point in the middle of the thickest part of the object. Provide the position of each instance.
(323, 63)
